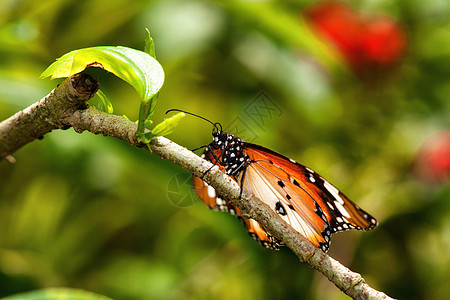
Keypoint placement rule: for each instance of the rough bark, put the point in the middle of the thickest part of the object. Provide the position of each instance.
(46, 115)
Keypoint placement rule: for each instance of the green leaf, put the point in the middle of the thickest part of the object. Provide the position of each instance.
(57, 294)
(148, 123)
(102, 103)
(149, 45)
(137, 68)
(167, 126)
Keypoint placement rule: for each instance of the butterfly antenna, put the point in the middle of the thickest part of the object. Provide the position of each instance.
(216, 125)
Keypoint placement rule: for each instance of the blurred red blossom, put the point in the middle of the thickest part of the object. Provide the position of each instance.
(432, 163)
(368, 44)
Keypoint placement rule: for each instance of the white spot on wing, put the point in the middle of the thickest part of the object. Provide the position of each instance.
(341, 209)
(220, 201)
(211, 192)
(334, 191)
(309, 170)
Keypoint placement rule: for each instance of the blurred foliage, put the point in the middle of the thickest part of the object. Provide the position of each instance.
(57, 294)
(90, 212)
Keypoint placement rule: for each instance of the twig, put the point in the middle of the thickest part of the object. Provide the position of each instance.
(63, 108)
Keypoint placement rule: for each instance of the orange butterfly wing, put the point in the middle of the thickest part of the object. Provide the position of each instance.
(306, 201)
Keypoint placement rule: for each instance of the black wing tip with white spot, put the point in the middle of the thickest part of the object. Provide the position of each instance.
(324, 247)
(272, 242)
(371, 220)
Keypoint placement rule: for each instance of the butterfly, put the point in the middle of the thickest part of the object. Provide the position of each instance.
(301, 197)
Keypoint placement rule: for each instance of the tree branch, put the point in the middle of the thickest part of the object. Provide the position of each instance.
(64, 108)
(47, 114)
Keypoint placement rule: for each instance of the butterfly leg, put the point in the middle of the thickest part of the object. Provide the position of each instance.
(217, 161)
(242, 183)
(204, 146)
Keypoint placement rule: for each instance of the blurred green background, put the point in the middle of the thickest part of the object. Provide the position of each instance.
(92, 212)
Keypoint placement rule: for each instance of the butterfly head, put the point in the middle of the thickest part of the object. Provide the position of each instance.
(220, 138)
(230, 149)
(217, 130)
(224, 140)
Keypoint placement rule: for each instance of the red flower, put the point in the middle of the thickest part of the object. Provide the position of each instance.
(383, 41)
(432, 163)
(367, 44)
